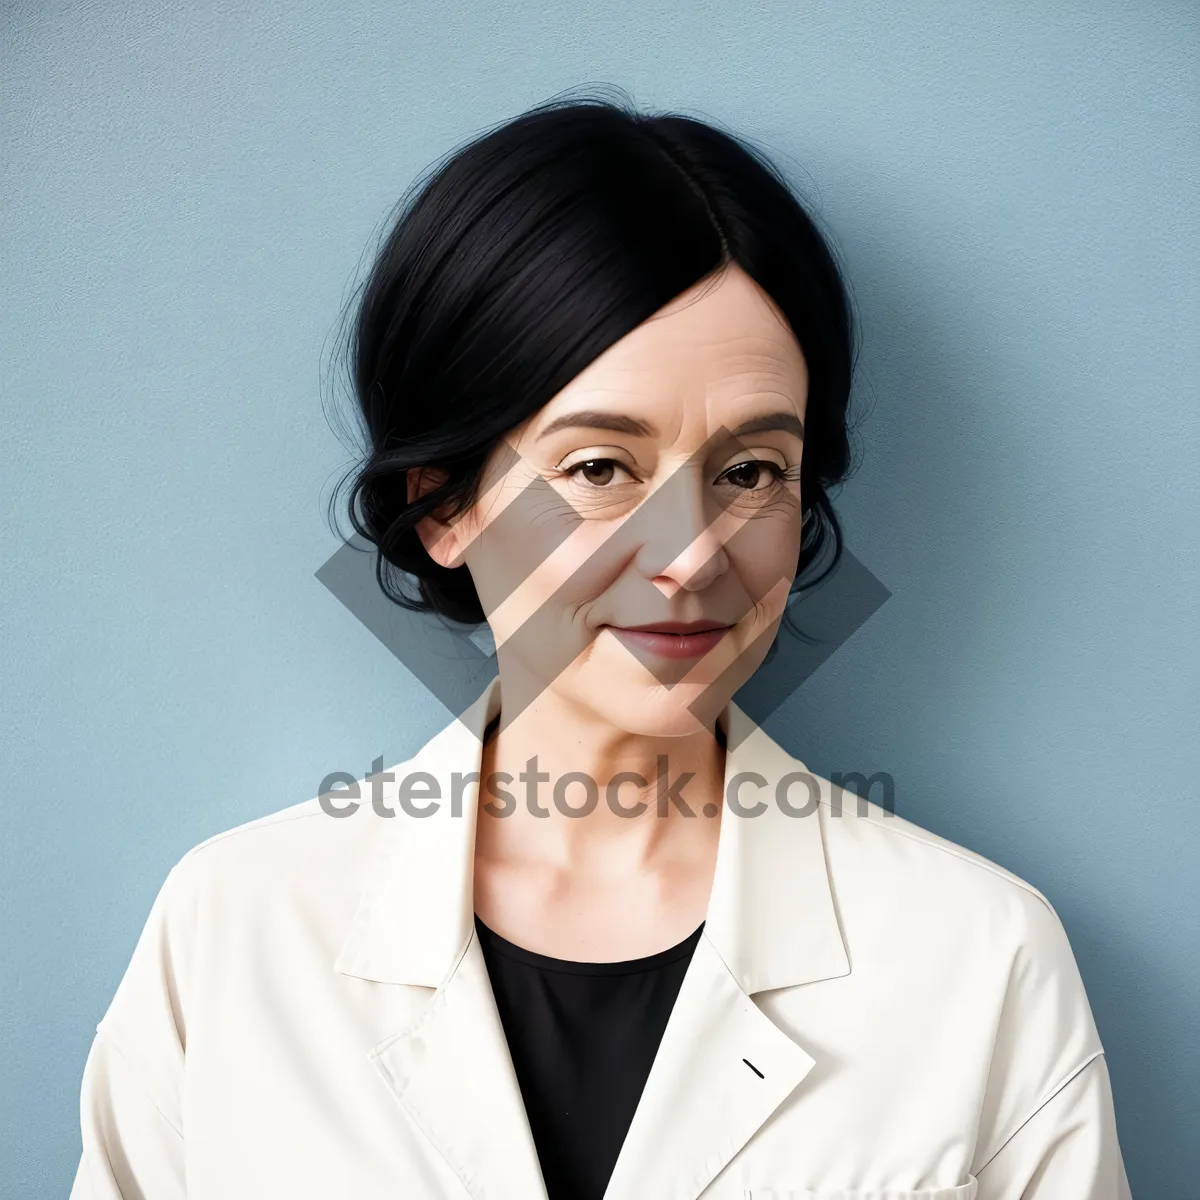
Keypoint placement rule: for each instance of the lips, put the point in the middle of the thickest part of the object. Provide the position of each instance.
(674, 627)
(672, 639)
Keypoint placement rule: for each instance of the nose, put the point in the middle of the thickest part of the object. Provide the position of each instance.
(683, 538)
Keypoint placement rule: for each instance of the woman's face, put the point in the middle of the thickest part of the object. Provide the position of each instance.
(660, 486)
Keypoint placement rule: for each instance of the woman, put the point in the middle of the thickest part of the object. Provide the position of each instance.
(603, 362)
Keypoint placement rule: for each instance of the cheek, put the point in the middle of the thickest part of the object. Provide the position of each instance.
(539, 561)
(542, 621)
(764, 552)
(584, 568)
(518, 547)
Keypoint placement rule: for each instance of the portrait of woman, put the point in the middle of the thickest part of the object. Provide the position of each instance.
(602, 937)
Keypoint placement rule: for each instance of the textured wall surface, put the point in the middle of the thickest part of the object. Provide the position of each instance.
(187, 190)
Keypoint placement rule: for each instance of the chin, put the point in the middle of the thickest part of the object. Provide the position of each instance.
(621, 691)
(652, 710)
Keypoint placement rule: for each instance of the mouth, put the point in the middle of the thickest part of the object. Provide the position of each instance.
(672, 639)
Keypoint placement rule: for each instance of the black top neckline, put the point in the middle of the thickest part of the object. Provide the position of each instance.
(545, 962)
(722, 741)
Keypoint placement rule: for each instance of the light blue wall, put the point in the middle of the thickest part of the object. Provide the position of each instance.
(187, 189)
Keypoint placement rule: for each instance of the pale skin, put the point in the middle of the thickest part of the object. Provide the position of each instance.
(571, 561)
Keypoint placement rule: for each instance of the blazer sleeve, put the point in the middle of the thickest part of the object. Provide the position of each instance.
(130, 1102)
(1066, 1150)
(1049, 1128)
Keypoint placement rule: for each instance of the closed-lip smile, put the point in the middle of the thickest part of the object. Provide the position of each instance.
(672, 639)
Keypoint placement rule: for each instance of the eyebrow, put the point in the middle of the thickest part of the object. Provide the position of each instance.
(788, 422)
(617, 422)
(784, 420)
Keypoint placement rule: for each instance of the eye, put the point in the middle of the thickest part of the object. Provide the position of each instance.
(598, 472)
(747, 476)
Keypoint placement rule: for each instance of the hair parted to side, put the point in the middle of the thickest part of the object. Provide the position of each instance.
(524, 256)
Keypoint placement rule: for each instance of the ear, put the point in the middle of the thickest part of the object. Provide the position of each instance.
(440, 538)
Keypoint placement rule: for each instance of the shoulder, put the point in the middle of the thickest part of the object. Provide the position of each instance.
(266, 899)
(923, 913)
(272, 842)
(887, 872)
(306, 846)
(281, 867)
(909, 892)
(869, 844)
(285, 883)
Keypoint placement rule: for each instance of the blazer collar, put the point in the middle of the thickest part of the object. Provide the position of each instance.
(771, 915)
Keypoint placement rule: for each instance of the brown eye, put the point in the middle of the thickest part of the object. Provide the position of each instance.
(748, 475)
(597, 471)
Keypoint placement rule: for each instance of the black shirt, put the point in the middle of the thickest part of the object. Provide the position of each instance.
(582, 1037)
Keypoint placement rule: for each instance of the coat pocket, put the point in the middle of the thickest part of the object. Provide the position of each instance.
(963, 1191)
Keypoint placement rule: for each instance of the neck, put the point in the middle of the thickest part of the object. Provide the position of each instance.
(637, 797)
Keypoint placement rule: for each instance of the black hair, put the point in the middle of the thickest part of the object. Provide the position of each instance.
(520, 259)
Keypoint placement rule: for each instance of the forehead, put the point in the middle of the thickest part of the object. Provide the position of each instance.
(722, 339)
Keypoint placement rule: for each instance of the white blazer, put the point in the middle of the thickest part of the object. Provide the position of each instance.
(872, 1013)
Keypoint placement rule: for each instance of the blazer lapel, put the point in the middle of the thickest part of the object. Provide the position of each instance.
(454, 1077)
(721, 1070)
(451, 1071)
(723, 1066)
